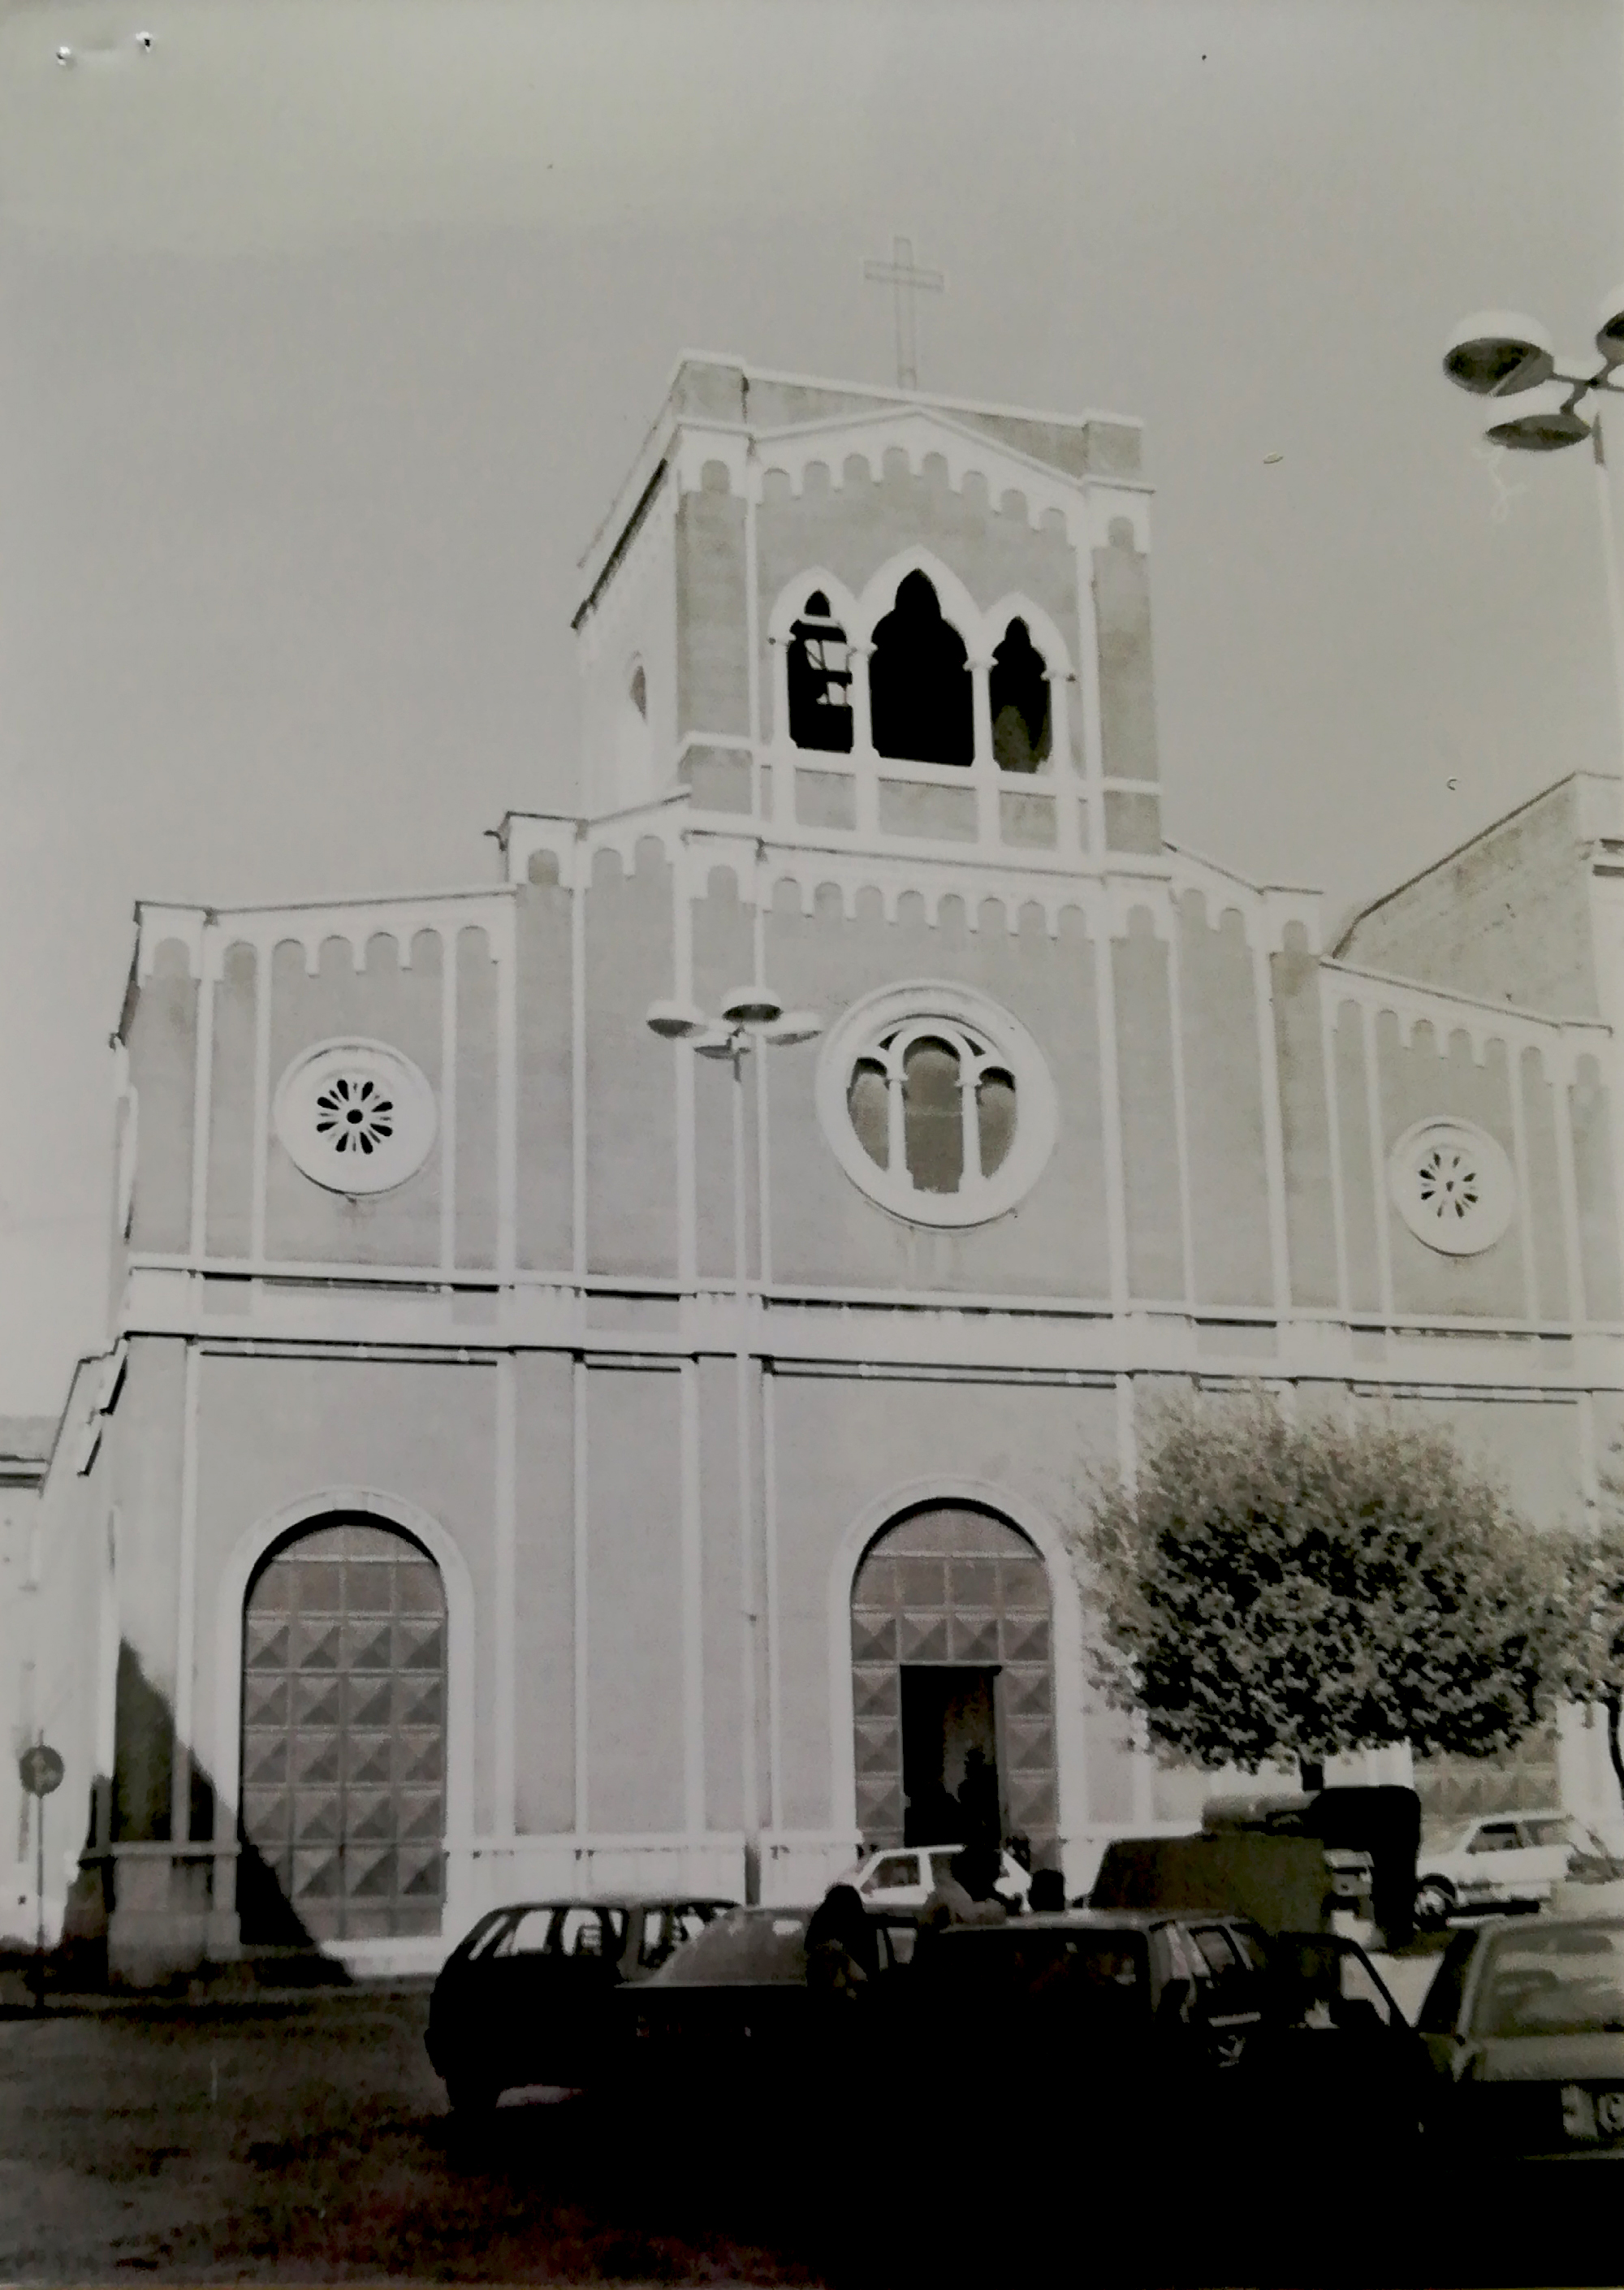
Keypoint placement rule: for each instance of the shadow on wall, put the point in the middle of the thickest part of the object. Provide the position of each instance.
(149, 1905)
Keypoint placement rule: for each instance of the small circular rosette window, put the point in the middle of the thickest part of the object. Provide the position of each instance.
(355, 1117)
(1453, 1185)
(937, 1104)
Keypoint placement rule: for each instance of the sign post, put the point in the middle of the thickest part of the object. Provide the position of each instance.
(40, 1769)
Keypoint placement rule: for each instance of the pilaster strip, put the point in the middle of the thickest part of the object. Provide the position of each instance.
(203, 1085)
(1181, 1134)
(1110, 1109)
(1328, 1021)
(504, 946)
(448, 1097)
(1567, 1186)
(504, 1811)
(577, 1058)
(1519, 1147)
(264, 958)
(1378, 1158)
(578, 1587)
(1274, 1136)
(692, 1604)
(769, 1479)
(186, 1610)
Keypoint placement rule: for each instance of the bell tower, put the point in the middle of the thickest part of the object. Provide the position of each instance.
(875, 618)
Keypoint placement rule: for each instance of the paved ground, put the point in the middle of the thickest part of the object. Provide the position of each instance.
(307, 2140)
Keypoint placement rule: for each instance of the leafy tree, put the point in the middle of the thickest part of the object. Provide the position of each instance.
(1589, 1659)
(1271, 1590)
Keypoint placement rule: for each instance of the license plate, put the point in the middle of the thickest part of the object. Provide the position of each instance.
(1592, 2114)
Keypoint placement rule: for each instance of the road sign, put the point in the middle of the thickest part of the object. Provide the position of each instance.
(40, 1769)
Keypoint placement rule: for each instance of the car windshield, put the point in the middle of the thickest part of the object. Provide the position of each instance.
(744, 1947)
(1565, 1981)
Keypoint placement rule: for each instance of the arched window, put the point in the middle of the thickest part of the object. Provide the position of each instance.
(919, 682)
(343, 1775)
(936, 1101)
(820, 675)
(1018, 692)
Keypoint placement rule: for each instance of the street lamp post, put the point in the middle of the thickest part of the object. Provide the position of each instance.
(1502, 354)
(751, 1017)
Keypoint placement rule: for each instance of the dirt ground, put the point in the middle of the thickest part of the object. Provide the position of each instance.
(307, 2140)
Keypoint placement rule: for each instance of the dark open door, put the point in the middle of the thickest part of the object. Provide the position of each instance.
(949, 1733)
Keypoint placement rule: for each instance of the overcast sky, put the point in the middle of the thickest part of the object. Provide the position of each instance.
(329, 326)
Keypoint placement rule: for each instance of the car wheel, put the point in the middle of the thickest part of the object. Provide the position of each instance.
(1435, 1901)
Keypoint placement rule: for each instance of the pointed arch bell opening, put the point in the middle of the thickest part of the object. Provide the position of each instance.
(920, 699)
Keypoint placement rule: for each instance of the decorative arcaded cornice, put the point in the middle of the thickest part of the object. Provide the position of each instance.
(206, 933)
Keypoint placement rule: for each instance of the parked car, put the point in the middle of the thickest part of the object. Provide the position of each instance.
(1105, 2018)
(1336, 2065)
(1500, 1860)
(525, 1997)
(736, 2003)
(902, 1878)
(1524, 2029)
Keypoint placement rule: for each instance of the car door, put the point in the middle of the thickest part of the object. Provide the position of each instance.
(513, 1994)
(1337, 2058)
(583, 1968)
(1229, 2002)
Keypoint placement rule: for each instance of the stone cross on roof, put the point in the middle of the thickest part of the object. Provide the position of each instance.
(901, 274)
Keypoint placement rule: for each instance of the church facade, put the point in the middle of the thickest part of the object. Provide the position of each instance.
(538, 1450)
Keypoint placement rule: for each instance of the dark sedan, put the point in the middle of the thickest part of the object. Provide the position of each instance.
(1105, 2018)
(527, 1997)
(742, 1998)
(1524, 2026)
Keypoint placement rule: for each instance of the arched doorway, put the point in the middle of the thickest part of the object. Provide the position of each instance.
(343, 1764)
(953, 1673)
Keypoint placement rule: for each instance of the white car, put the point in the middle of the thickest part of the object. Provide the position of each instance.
(905, 1877)
(1499, 1860)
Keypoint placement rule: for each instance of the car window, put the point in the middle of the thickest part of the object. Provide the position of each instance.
(690, 1920)
(1250, 1947)
(1566, 1980)
(895, 1870)
(1495, 1837)
(942, 1865)
(657, 1938)
(1183, 1964)
(527, 1935)
(1558, 1831)
(1214, 1946)
(487, 1936)
(581, 1932)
